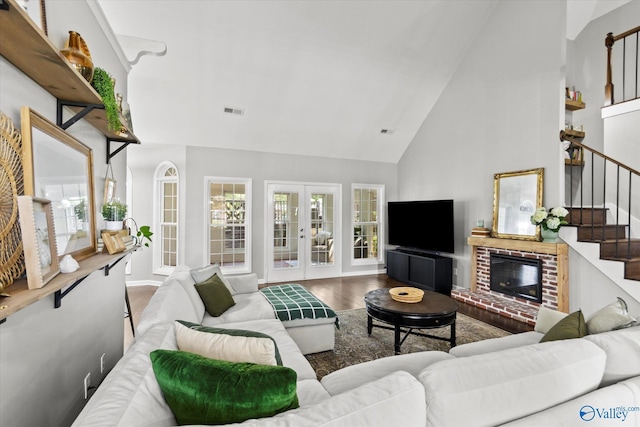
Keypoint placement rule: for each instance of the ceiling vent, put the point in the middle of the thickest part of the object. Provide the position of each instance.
(236, 111)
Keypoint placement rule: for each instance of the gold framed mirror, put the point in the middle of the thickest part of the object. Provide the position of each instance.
(59, 168)
(516, 196)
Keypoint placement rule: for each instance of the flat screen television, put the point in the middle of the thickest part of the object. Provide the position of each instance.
(425, 225)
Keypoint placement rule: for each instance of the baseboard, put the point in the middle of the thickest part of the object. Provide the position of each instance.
(347, 274)
(363, 273)
(131, 283)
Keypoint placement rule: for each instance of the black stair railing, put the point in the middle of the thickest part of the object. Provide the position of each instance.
(626, 62)
(614, 182)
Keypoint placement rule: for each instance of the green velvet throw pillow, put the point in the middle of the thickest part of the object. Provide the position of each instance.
(232, 345)
(572, 326)
(208, 391)
(216, 297)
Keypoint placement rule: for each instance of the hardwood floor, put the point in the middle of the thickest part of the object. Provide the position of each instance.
(341, 293)
(346, 293)
(139, 297)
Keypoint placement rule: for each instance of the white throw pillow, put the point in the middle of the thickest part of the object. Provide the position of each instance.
(232, 345)
(203, 273)
(613, 316)
(547, 318)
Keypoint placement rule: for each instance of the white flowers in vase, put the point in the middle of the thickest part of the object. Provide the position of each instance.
(550, 220)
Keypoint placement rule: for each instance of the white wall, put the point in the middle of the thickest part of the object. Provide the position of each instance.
(501, 112)
(621, 138)
(45, 353)
(591, 289)
(194, 163)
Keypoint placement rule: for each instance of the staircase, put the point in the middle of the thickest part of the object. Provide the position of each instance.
(605, 215)
(615, 245)
(618, 185)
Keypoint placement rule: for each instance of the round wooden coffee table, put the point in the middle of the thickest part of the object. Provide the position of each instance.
(434, 311)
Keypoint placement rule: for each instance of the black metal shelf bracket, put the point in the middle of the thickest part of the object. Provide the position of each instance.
(124, 145)
(59, 294)
(86, 109)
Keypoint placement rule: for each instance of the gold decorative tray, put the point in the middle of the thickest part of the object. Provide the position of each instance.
(406, 294)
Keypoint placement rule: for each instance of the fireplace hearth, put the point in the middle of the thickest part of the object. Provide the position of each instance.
(555, 277)
(516, 276)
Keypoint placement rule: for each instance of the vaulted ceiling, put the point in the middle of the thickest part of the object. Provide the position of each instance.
(346, 79)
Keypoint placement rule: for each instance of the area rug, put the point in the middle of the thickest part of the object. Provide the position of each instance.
(353, 345)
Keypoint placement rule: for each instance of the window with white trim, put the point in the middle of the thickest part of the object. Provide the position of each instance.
(228, 223)
(367, 223)
(281, 220)
(166, 237)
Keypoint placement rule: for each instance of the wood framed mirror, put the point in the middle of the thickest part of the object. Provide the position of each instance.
(516, 196)
(59, 168)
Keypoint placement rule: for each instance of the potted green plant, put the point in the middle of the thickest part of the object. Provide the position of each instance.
(114, 213)
(103, 84)
(142, 234)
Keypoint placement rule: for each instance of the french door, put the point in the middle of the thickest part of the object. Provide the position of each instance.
(303, 231)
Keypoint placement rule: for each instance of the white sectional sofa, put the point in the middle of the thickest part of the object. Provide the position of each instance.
(171, 302)
(513, 381)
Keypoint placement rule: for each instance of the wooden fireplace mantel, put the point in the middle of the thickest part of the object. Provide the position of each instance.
(519, 245)
(560, 250)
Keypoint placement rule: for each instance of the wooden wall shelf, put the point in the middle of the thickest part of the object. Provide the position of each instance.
(574, 133)
(572, 105)
(31, 51)
(21, 296)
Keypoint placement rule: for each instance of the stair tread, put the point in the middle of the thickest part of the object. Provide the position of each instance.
(584, 225)
(621, 240)
(622, 259)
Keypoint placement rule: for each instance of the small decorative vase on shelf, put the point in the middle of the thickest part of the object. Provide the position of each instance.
(77, 53)
(549, 236)
(113, 225)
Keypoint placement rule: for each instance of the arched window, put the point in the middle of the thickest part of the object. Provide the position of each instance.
(167, 213)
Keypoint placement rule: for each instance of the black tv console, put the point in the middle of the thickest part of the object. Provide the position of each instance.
(430, 272)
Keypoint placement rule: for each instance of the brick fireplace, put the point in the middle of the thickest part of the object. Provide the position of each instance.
(553, 259)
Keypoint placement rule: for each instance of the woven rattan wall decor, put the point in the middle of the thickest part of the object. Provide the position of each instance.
(11, 186)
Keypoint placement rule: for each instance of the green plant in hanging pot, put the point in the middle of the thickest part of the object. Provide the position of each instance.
(103, 84)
